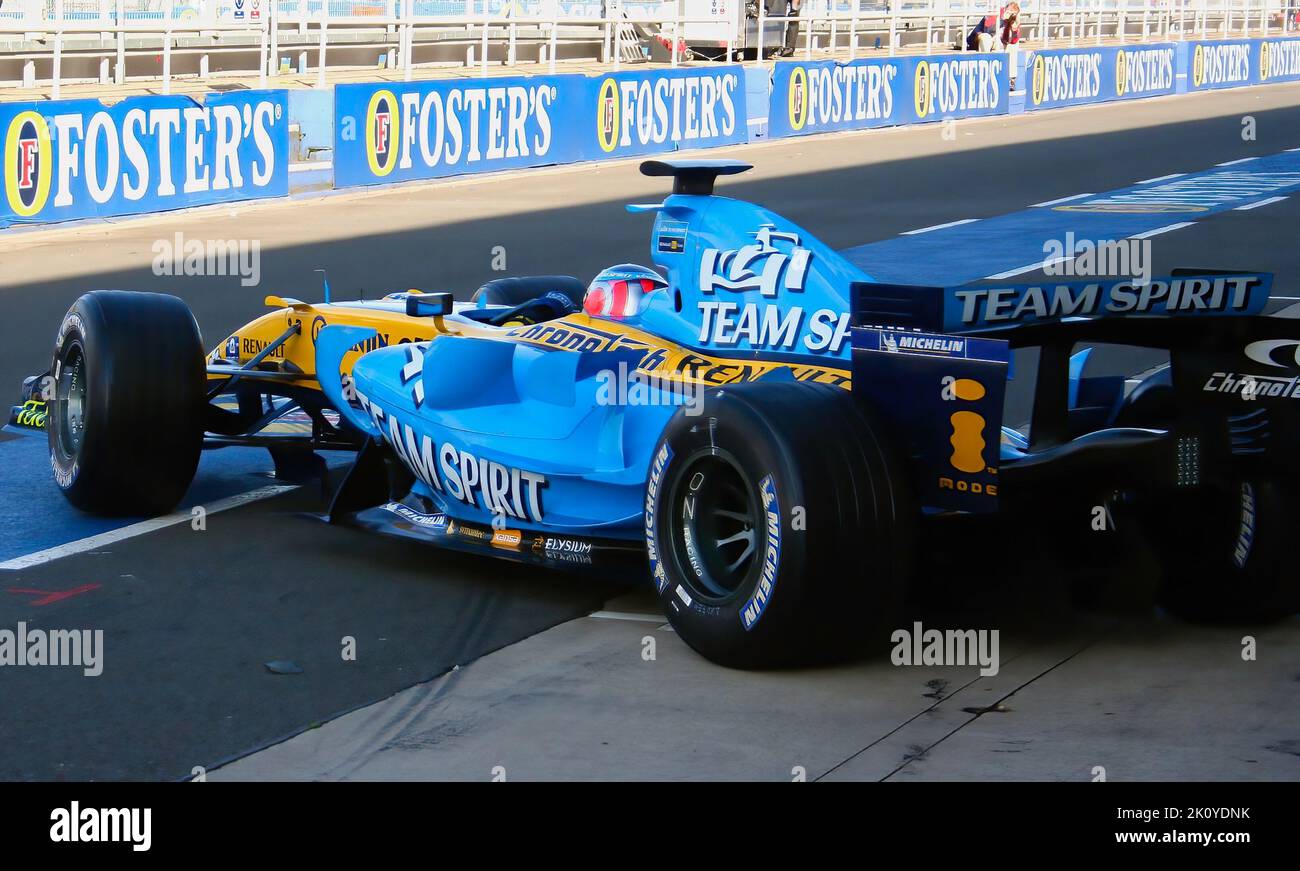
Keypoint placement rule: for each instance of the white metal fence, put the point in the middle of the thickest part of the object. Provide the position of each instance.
(268, 31)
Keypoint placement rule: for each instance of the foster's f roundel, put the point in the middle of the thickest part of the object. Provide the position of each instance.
(383, 122)
(922, 91)
(28, 159)
(607, 112)
(1121, 72)
(798, 98)
(1039, 79)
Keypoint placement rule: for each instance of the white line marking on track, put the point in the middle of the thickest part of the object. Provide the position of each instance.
(1041, 264)
(1235, 162)
(1288, 298)
(940, 226)
(627, 615)
(1256, 205)
(1061, 200)
(1157, 231)
(144, 526)
(1162, 178)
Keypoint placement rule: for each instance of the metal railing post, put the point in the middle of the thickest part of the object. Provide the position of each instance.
(677, 30)
(119, 75)
(731, 35)
(893, 27)
(324, 40)
(168, 10)
(555, 26)
(853, 31)
(614, 9)
(273, 21)
(57, 69)
(408, 61)
(483, 46)
(762, 28)
(513, 44)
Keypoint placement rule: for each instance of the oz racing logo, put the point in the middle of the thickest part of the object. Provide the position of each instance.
(1040, 79)
(29, 164)
(383, 120)
(607, 112)
(798, 98)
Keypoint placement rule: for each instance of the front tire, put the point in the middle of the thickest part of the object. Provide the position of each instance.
(779, 524)
(126, 423)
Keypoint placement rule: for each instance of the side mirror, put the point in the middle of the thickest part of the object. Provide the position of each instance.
(429, 305)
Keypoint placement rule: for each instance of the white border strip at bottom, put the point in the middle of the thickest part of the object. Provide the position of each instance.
(144, 526)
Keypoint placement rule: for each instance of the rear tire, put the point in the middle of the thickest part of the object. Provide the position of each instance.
(1222, 550)
(126, 424)
(1225, 554)
(780, 526)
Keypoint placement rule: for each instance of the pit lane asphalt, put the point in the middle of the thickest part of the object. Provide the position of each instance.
(190, 617)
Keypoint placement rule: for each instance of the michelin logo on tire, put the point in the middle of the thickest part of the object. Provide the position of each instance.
(753, 610)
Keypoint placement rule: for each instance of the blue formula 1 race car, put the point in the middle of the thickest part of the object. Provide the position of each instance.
(756, 425)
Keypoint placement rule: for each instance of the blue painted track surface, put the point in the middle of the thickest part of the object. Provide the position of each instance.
(36, 516)
(970, 252)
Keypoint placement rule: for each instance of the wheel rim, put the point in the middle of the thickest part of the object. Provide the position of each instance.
(715, 526)
(70, 398)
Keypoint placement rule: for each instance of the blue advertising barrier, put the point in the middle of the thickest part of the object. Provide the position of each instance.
(75, 159)
(1222, 63)
(1278, 60)
(819, 96)
(1074, 76)
(419, 130)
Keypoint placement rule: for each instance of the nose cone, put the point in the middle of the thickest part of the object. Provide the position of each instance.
(391, 377)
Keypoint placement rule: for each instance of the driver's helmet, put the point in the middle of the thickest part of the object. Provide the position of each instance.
(621, 291)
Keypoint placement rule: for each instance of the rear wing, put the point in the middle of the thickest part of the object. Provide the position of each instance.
(937, 358)
(1004, 309)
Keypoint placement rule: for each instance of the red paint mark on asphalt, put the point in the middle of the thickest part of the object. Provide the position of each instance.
(49, 597)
